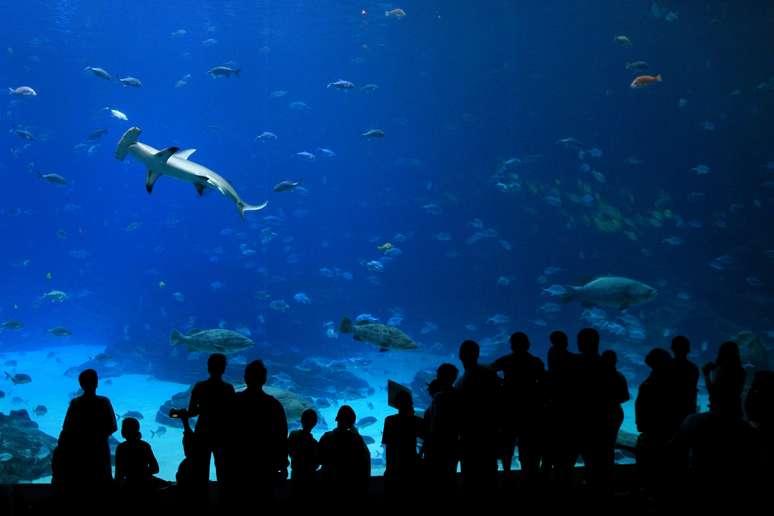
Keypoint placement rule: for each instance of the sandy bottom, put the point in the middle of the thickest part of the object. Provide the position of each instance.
(51, 388)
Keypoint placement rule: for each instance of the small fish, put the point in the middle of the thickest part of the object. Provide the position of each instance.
(623, 40)
(161, 430)
(366, 422)
(40, 410)
(55, 179)
(96, 135)
(134, 82)
(223, 71)
(637, 66)
(11, 325)
(60, 332)
(373, 133)
(99, 72)
(24, 134)
(395, 13)
(5, 457)
(370, 87)
(19, 378)
(641, 81)
(306, 155)
(385, 247)
(266, 136)
(22, 91)
(286, 186)
(341, 84)
(701, 170)
(326, 152)
(117, 114)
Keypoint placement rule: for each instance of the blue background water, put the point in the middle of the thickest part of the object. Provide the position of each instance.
(462, 88)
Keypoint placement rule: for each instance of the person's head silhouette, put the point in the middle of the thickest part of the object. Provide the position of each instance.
(88, 380)
(609, 358)
(588, 341)
(216, 365)
(658, 359)
(681, 346)
(728, 355)
(345, 418)
(404, 403)
(446, 374)
(255, 374)
(130, 429)
(558, 340)
(308, 419)
(519, 342)
(469, 351)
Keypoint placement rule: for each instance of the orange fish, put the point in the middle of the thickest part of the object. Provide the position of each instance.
(644, 80)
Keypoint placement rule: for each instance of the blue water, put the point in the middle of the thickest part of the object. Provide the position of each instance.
(468, 96)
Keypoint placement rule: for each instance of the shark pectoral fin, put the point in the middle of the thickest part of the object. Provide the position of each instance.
(200, 188)
(164, 154)
(150, 180)
(185, 153)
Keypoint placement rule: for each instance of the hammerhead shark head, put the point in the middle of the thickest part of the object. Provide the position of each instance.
(175, 163)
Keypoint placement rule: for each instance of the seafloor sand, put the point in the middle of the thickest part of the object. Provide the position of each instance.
(50, 387)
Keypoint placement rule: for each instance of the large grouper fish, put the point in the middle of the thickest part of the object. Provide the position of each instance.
(385, 337)
(212, 341)
(174, 162)
(614, 291)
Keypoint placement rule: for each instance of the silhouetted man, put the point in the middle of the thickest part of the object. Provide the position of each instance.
(401, 431)
(259, 447)
(345, 460)
(523, 375)
(211, 402)
(686, 376)
(480, 417)
(82, 466)
(442, 420)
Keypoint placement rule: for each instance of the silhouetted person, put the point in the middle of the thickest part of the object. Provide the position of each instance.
(594, 407)
(561, 443)
(211, 402)
(82, 467)
(618, 389)
(686, 376)
(759, 406)
(345, 460)
(401, 431)
(304, 453)
(524, 384)
(480, 422)
(723, 449)
(442, 421)
(135, 467)
(657, 412)
(725, 380)
(259, 440)
(187, 482)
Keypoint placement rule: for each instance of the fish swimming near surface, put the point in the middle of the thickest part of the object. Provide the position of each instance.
(383, 336)
(174, 162)
(212, 341)
(615, 291)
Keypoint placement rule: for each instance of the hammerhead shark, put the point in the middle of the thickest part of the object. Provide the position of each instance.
(175, 163)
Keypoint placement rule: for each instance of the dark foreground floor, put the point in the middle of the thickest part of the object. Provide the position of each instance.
(627, 499)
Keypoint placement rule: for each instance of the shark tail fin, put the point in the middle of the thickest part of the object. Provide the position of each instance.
(10, 91)
(243, 207)
(569, 294)
(128, 139)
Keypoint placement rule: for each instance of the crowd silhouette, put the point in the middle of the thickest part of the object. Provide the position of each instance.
(554, 416)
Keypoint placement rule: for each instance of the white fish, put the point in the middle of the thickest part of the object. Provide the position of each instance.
(22, 91)
(117, 114)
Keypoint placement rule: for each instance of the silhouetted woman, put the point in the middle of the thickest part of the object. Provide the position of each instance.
(725, 380)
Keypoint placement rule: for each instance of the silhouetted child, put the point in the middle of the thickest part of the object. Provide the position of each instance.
(304, 453)
(617, 387)
(442, 423)
(135, 462)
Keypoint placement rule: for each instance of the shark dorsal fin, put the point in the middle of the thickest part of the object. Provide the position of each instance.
(150, 180)
(165, 154)
(185, 153)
